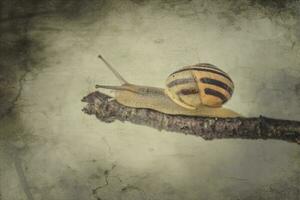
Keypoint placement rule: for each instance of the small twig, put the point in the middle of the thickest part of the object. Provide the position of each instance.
(108, 110)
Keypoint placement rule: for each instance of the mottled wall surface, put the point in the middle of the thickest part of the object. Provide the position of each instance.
(50, 150)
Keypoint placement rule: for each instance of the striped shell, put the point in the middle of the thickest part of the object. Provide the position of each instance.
(197, 85)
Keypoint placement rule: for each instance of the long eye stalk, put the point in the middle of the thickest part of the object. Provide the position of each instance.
(115, 72)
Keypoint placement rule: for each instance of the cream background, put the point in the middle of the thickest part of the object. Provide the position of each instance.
(66, 154)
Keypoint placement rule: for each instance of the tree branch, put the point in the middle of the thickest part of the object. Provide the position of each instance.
(108, 110)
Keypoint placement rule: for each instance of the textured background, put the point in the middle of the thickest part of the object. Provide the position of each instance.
(50, 150)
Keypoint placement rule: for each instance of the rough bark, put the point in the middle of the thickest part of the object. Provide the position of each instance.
(108, 110)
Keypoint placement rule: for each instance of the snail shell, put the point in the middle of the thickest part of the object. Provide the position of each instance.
(197, 85)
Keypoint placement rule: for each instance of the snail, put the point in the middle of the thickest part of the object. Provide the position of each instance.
(196, 90)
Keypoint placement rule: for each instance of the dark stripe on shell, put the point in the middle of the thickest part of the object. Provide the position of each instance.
(215, 93)
(180, 81)
(188, 91)
(207, 65)
(204, 70)
(217, 83)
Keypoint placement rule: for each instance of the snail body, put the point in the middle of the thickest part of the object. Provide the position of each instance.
(181, 96)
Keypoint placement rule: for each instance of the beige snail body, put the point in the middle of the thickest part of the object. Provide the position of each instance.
(162, 100)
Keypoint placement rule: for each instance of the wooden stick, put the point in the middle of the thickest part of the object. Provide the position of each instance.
(106, 109)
